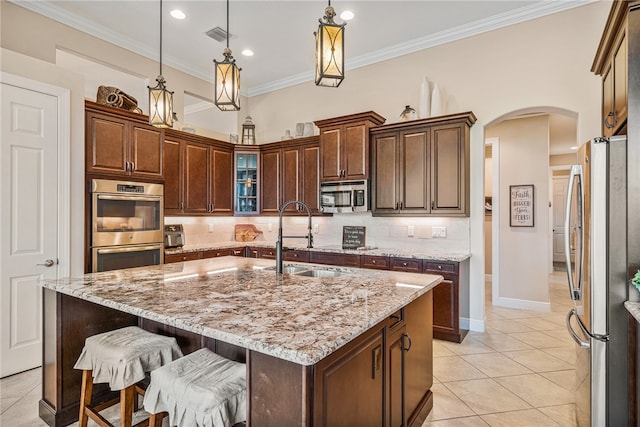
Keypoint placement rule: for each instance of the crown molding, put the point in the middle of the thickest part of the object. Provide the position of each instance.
(516, 16)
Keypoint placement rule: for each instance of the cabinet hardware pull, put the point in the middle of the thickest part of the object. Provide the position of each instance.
(439, 267)
(606, 120)
(133, 166)
(373, 262)
(404, 264)
(376, 365)
(433, 204)
(408, 337)
(182, 206)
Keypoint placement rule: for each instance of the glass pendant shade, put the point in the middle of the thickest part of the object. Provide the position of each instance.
(227, 83)
(329, 51)
(160, 105)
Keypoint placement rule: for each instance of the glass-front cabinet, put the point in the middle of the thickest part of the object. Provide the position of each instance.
(246, 183)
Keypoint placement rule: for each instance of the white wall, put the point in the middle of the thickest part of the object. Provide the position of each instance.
(524, 258)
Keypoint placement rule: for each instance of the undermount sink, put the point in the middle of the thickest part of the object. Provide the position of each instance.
(319, 273)
(290, 269)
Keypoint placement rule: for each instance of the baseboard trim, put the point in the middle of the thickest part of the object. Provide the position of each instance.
(522, 304)
(472, 324)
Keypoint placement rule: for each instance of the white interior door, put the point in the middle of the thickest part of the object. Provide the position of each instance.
(560, 184)
(28, 218)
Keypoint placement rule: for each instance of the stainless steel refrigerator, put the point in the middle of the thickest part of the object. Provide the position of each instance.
(596, 252)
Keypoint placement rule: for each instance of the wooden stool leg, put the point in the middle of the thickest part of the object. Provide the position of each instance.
(126, 406)
(85, 398)
(155, 420)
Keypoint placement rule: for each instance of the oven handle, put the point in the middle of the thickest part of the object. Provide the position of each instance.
(129, 198)
(136, 248)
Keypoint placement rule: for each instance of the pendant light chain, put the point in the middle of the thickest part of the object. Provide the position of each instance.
(160, 37)
(227, 24)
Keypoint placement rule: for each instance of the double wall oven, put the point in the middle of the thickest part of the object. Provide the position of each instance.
(126, 224)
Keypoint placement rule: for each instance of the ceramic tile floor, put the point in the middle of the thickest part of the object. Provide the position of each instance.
(517, 373)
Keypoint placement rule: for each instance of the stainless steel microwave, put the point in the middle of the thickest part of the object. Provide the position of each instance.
(344, 197)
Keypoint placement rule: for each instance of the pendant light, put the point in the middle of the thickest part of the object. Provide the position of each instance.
(227, 96)
(329, 50)
(160, 98)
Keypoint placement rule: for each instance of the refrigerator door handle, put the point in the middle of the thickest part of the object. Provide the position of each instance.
(575, 173)
(598, 337)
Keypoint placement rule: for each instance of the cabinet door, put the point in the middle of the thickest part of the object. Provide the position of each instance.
(414, 171)
(449, 170)
(386, 162)
(172, 166)
(330, 160)
(222, 181)
(311, 177)
(106, 144)
(270, 199)
(445, 299)
(196, 178)
(418, 369)
(608, 115)
(291, 179)
(349, 384)
(145, 151)
(620, 82)
(395, 373)
(355, 152)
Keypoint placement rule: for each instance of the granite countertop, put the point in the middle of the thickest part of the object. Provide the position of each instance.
(243, 302)
(433, 254)
(634, 309)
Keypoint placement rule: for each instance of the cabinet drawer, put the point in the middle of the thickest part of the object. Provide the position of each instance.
(268, 253)
(437, 267)
(302, 256)
(376, 262)
(214, 253)
(411, 265)
(189, 256)
(238, 252)
(345, 260)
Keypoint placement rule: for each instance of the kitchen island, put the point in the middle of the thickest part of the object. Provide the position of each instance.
(351, 347)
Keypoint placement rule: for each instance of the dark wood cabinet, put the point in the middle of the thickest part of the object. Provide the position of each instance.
(422, 167)
(188, 256)
(395, 353)
(350, 383)
(346, 260)
(121, 144)
(375, 262)
(449, 302)
(261, 252)
(290, 172)
(198, 179)
(296, 255)
(410, 265)
(344, 146)
(611, 62)
(204, 254)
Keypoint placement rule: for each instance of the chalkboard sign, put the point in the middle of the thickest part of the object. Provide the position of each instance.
(353, 237)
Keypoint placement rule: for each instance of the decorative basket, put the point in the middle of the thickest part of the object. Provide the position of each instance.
(114, 97)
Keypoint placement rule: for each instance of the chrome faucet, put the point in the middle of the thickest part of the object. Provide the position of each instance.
(279, 248)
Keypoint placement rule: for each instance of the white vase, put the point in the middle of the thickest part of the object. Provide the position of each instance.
(424, 106)
(436, 101)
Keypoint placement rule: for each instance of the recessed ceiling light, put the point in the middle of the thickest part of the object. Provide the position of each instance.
(178, 14)
(247, 52)
(347, 15)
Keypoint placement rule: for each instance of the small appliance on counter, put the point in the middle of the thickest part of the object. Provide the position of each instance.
(173, 236)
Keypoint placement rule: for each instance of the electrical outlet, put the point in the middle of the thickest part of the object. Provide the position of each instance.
(210, 228)
(316, 228)
(438, 231)
(410, 231)
(269, 227)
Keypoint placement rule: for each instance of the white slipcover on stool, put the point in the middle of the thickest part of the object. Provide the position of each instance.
(121, 358)
(199, 389)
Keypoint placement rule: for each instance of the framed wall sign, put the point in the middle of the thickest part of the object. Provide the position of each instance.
(353, 237)
(521, 205)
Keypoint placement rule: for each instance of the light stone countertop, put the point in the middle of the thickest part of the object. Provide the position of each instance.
(431, 254)
(634, 309)
(242, 302)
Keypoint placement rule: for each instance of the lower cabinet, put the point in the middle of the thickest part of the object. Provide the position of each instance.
(382, 378)
(211, 253)
(345, 260)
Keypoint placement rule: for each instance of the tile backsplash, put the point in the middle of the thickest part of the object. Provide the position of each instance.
(381, 232)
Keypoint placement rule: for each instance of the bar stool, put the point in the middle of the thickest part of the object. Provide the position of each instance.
(121, 358)
(199, 389)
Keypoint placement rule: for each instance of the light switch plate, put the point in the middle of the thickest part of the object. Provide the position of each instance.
(210, 228)
(438, 231)
(316, 228)
(269, 227)
(410, 231)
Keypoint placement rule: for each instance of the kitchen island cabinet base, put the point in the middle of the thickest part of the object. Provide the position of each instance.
(280, 392)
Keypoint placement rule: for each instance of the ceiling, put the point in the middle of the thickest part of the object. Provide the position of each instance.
(281, 34)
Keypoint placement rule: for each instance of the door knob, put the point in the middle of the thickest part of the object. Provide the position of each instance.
(48, 263)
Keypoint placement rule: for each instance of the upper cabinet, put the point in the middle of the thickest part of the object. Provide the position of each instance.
(246, 182)
(344, 146)
(611, 63)
(290, 171)
(421, 167)
(121, 143)
(198, 175)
